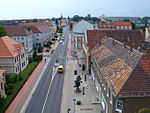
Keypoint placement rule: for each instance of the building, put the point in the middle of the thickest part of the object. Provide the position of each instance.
(116, 19)
(13, 56)
(121, 76)
(129, 37)
(2, 82)
(42, 32)
(116, 26)
(78, 33)
(21, 35)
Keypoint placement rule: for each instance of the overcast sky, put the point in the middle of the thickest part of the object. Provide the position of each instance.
(21, 9)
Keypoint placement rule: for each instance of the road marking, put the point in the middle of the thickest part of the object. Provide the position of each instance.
(48, 92)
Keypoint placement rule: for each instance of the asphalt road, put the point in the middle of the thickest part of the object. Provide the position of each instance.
(53, 102)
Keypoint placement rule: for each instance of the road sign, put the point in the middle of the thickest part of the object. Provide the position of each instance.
(74, 99)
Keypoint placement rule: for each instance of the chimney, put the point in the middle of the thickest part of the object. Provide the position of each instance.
(129, 43)
(131, 48)
(148, 53)
(113, 41)
(124, 44)
(134, 45)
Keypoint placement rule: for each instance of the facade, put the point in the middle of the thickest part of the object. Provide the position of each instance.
(21, 35)
(116, 26)
(129, 37)
(2, 82)
(121, 75)
(78, 35)
(13, 55)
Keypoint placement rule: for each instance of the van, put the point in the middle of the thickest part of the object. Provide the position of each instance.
(60, 68)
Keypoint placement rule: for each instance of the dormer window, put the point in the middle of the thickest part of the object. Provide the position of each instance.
(12, 50)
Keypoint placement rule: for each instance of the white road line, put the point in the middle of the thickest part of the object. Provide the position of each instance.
(53, 75)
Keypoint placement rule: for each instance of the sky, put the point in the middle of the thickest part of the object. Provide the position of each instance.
(26, 9)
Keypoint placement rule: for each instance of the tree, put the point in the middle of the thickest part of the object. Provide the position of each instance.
(144, 110)
(76, 18)
(1, 101)
(35, 20)
(71, 24)
(35, 58)
(3, 31)
(40, 49)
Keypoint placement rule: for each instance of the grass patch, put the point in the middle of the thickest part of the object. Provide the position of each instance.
(52, 51)
(17, 86)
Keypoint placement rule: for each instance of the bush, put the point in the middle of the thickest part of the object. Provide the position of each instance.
(78, 102)
(30, 60)
(40, 57)
(47, 50)
(11, 79)
(40, 49)
(52, 51)
(1, 101)
(144, 110)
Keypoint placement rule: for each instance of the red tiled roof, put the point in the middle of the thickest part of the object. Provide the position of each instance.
(94, 36)
(126, 72)
(122, 23)
(9, 47)
(38, 27)
(105, 25)
(17, 31)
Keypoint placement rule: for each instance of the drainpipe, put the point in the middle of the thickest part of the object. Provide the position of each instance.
(112, 104)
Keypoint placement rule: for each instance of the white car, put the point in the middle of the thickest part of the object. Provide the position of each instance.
(61, 41)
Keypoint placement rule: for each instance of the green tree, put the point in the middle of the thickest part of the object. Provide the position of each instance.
(40, 49)
(144, 110)
(71, 24)
(3, 31)
(35, 58)
(76, 18)
(1, 101)
(35, 20)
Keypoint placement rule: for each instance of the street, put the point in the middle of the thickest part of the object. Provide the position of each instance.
(39, 103)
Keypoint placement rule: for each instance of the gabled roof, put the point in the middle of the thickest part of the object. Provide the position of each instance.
(17, 31)
(94, 36)
(127, 72)
(82, 26)
(39, 27)
(9, 47)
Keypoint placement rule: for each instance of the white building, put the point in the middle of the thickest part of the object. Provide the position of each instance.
(13, 55)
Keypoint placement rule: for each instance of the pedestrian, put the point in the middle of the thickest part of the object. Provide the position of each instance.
(45, 60)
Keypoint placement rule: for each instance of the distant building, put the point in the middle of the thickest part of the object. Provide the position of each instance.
(42, 32)
(116, 26)
(2, 83)
(13, 55)
(21, 35)
(78, 34)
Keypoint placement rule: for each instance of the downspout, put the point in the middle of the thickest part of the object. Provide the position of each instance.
(112, 104)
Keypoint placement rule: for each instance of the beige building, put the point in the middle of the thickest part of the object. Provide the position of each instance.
(2, 82)
(13, 55)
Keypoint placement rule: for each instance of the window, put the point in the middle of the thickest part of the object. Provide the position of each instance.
(119, 105)
(129, 27)
(18, 38)
(107, 91)
(79, 45)
(111, 97)
(14, 38)
(126, 27)
(118, 27)
(22, 43)
(22, 38)
(121, 27)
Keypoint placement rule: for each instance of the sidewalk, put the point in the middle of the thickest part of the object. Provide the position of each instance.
(22, 99)
(88, 101)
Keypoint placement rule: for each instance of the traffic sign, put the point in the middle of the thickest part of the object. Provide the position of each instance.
(74, 99)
